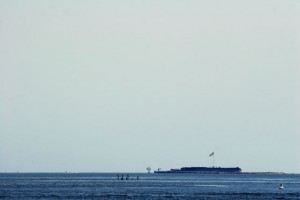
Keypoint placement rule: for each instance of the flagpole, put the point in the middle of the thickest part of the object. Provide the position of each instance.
(213, 155)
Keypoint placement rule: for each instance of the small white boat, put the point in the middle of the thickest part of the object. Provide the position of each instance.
(281, 187)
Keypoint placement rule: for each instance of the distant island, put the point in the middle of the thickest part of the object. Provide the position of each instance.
(212, 170)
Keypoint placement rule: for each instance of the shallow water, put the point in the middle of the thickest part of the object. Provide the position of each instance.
(149, 186)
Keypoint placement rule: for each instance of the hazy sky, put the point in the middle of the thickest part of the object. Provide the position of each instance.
(110, 86)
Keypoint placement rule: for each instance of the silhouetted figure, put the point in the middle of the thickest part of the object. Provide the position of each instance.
(127, 177)
(122, 177)
(137, 178)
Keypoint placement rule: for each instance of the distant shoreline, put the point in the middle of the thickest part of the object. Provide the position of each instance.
(266, 173)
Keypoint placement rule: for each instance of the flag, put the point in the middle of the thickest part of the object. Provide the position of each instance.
(212, 154)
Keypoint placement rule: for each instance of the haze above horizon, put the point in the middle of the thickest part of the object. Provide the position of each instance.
(110, 86)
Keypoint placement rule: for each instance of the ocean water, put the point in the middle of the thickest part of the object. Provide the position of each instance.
(149, 186)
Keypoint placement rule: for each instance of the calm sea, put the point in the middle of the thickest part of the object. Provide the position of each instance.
(149, 186)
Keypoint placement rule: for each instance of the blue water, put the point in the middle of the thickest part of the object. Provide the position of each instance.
(149, 186)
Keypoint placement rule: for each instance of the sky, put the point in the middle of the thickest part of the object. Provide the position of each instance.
(117, 86)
